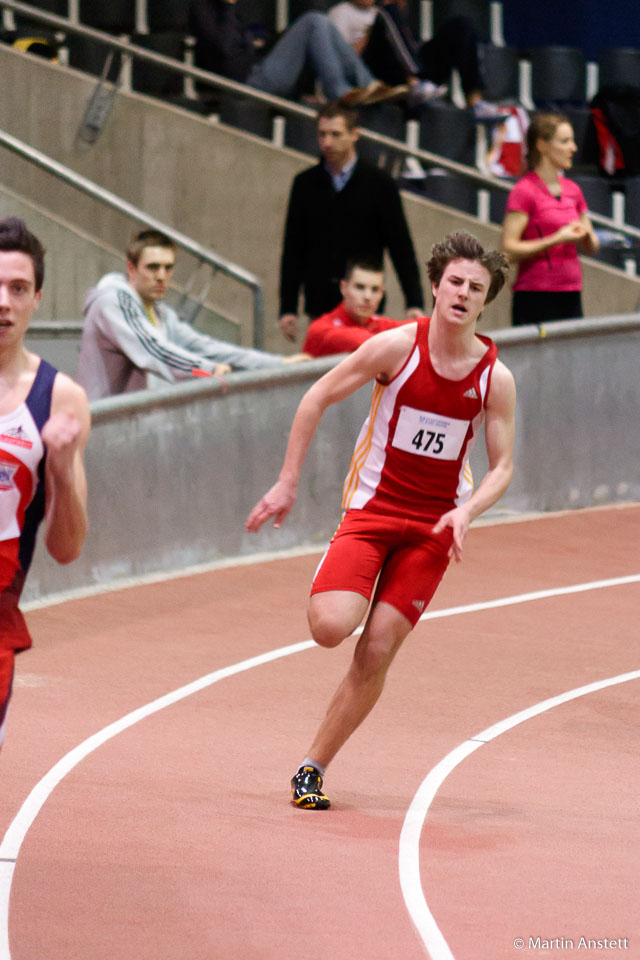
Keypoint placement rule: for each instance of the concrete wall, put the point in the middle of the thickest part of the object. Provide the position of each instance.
(224, 188)
(173, 475)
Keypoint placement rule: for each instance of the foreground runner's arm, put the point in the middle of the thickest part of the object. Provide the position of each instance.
(381, 356)
(499, 437)
(65, 435)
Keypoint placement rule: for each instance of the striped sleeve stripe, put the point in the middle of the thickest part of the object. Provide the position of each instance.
(151, 345)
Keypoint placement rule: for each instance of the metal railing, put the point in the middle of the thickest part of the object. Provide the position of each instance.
(485, 182)
(204, 256)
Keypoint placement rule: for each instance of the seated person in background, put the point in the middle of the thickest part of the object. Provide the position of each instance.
(130, 333)
(224, 45)
(354, 320)
(381, 34)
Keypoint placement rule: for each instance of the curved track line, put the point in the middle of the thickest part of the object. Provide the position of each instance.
(14, 837)
(409, 853)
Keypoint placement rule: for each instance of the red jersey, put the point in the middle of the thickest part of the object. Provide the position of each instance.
(411, 458)
(336, 332)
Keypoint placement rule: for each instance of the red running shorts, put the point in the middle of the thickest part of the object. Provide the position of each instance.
(410, 560)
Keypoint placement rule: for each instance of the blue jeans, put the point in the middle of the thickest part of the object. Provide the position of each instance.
(311, 39)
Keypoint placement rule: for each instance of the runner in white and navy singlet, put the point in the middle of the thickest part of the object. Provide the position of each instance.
(22, 460)
(44, 427)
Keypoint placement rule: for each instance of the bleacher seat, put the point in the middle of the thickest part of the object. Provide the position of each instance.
(449, 189)
(168, 15)
(30, 25)
(448, 131)
(389, 119)
(586, 159)
(497, 204)
(619, 65)
(558, 76)
(248, 115)
(300, 134)
(59, 7)
(478, 11)
(91, 56)
(500, 72)
(632, 201)
(260, 16)
(597, 192)
(152, 78)
(114, 16)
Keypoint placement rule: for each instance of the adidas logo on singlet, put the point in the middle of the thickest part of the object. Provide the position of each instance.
(471, 393)
(418, 604)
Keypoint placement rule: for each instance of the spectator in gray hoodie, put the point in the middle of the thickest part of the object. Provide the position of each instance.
(131, 339)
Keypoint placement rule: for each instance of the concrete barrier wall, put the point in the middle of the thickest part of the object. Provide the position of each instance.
(226, 189)
(172, 475)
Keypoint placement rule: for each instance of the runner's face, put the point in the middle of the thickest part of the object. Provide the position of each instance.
(362, 294)
(18, 297)
(151, 276)
(336, 141)
(462, 292)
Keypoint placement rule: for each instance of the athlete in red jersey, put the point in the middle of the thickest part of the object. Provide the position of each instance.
(408, 496)
(44, 424)
(355, 319)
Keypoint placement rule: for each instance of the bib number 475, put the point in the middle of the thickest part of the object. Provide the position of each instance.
(429, 440)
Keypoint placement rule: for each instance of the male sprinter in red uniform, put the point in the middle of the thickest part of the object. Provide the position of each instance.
(408, 498)
(44, 425)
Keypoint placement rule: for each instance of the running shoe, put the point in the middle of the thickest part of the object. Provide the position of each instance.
(306, 790)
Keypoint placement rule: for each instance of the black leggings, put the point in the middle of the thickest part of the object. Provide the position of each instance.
(541, 306)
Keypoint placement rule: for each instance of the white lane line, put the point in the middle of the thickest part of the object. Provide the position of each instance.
(14, 837)
(409, 853)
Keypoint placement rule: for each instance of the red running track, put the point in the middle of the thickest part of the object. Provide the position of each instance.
(176, 839)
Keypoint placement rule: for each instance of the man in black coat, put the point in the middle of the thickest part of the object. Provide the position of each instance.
(341, 208)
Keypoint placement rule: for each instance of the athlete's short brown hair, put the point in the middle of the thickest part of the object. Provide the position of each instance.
(147, 238)
(464, 246)
(15, 236)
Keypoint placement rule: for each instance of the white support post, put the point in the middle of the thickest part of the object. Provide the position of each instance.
(524, 85)
(126, 69)
(142, 22)
(457, 93)
(189, 87)
(413, 134)
(593, 80)
(282, 15)
(484, 206)
(426, 19)
(278, 131)
(497, 32)
(73, 11)
(618, 205)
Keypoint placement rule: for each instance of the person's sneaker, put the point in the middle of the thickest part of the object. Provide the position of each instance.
(424, 91)
(484, 112)
(306, 790)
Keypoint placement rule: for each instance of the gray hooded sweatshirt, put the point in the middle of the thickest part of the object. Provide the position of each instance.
(123, 350)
